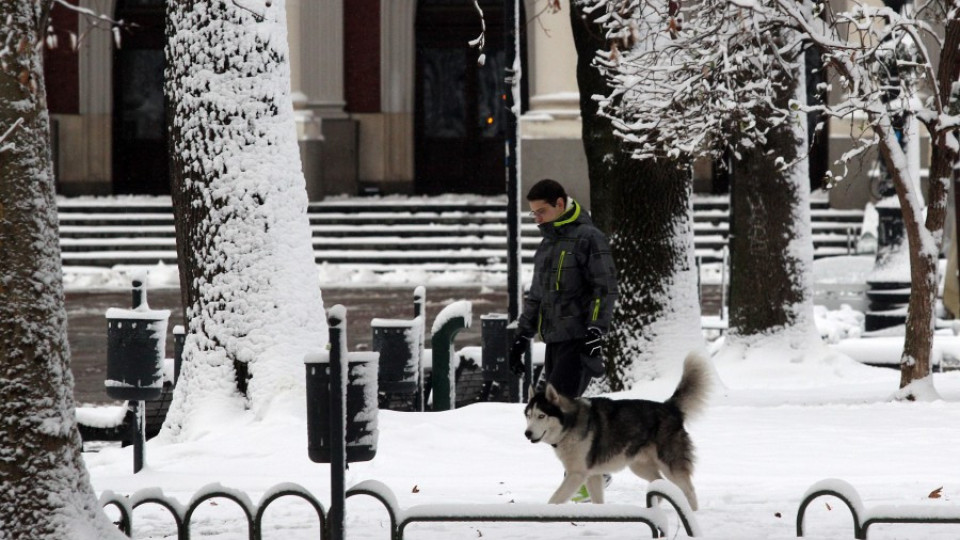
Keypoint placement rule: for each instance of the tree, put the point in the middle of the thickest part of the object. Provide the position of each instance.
(643, 204)
(45, 491)
(860, 46)
(249, 281)
(771, 247)
(689, 87)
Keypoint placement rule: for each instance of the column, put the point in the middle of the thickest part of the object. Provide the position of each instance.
(397, 72)
(315, 34)
(550, 130)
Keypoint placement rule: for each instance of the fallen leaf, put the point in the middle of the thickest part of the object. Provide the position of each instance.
(828, 506)
(416, 489)
(937, 493)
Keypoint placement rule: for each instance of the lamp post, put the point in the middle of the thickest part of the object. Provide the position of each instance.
(511, 100)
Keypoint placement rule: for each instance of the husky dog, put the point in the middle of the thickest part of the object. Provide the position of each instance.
(599, 435)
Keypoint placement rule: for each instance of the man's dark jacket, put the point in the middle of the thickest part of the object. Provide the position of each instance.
(574, 280)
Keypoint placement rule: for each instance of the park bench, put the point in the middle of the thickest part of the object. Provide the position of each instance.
(864, 517)
(651, 516)
(121, 428)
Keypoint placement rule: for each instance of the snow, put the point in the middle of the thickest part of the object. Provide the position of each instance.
(780, 420)
(234, 140)
(758, 448)
(101, 417)
(460, 308)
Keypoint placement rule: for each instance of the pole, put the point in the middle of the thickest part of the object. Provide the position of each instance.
(338, 421)
(139, 434)
(139, 408)
(511, 101)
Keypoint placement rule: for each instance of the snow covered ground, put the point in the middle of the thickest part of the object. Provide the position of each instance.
(763, 442)
(774, 427)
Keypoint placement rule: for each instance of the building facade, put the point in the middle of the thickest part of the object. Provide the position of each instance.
(388, 93)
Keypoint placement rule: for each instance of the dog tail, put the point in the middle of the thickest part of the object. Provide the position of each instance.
(691, 394)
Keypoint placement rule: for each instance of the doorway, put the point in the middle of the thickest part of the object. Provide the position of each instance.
(459, 114)
(140, 157)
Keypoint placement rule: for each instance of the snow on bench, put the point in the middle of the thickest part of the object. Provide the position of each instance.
(864, 517)
(653, 517)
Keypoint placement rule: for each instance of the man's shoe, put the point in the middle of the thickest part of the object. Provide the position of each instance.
(581, 496)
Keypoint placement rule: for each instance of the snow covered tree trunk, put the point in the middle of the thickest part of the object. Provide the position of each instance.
(644, 205)
(249, 280)
(925, 238)
(45, 491)
(771, 249)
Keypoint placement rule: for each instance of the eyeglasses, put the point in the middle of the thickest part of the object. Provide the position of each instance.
(541, 212)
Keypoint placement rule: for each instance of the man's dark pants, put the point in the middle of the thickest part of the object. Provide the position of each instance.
(563, 368)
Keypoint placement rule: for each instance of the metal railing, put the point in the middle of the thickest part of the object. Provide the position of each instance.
(864, 517)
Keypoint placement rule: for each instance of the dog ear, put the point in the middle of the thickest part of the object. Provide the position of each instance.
(531, 392)
(553, 396)
(559, 400)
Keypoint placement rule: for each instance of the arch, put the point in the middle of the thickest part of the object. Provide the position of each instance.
(109, 498)
(855, 507)
(172, 507)
(241, 502)
(284, 491)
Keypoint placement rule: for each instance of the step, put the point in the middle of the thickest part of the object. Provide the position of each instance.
(390, 231)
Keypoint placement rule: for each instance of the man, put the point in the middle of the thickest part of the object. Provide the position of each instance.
(574, 289)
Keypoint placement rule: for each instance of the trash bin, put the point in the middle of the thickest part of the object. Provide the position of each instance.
(361, 407)
(493, 335)
(136, 340)
(398, 341)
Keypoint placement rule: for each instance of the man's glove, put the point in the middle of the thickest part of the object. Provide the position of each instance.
(591, 344)
(519, 348)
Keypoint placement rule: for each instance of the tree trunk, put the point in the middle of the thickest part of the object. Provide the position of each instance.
(249, 281)
(644, 206)
(918, 343)
(771, 250)
(45, 491)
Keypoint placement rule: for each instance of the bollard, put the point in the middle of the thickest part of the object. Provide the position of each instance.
(179, 337)
(135, 349)
(420, 312)
(420, 301)
(449, 322)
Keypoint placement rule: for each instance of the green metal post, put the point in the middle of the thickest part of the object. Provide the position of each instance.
(444, 389)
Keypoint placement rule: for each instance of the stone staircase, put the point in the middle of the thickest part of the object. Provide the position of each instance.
(433, 233)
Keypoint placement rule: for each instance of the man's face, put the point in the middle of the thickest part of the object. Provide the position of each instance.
(544, 212)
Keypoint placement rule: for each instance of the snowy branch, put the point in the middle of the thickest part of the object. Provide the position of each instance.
(684, 73)
(480, 41)
(96, 21)
(9, 146)
(259, 17)
(88, 12)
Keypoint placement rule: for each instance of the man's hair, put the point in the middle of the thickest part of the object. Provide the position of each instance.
(547, 190)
